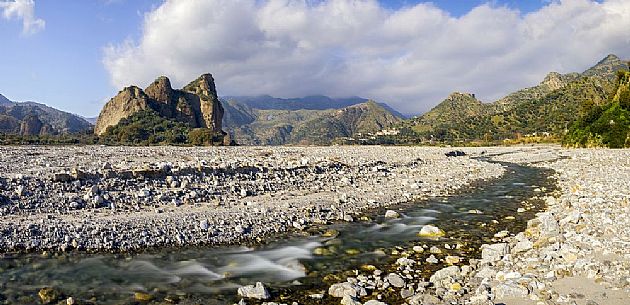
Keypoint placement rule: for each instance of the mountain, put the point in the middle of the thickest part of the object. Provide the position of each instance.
(607, 124)
(30, 118)
(549, 107)
(304, 126)
(4, 101)
(196, 105)
(607, 67)
(314, 102)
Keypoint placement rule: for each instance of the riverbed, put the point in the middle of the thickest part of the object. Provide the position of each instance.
(299, 266)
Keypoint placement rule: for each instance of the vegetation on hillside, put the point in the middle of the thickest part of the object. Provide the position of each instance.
(147, 127)
(606, 125)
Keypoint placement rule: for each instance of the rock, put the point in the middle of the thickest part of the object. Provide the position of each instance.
(548, 224)
(451, 260)
(432, 259)
(142, 297)
(494, 252)
(374, 302)
(444, 275)
(257, 291)
(340, 290)
(49, 295)
(197, 104)
(455, 153)
(31, 125)
(396, 280)
(522, 246)
(501, 234)
(316, 296)
(509, 289)
(430, 231)
(418, 249)
(204, 225)
(70, 301)
(392, 214)
(403, 261)
(424, 299)
(348, 300)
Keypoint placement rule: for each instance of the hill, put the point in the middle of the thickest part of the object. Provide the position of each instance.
(160, 114)
(606, 124)
(30, 118)
(548, 108)
(304, 126)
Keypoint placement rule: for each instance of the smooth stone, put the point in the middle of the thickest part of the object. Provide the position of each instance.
(396, 280)
(257, 291)
(392, 214)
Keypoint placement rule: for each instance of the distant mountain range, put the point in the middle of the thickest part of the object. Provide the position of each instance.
(293, 125)
(548, 108)
(266, 120)
(552, 107)
(30, 118)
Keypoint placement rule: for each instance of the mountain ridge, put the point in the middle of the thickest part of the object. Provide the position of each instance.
(541, 108)
(32, 118)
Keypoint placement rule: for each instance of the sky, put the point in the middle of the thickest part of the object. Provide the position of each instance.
(76, 55)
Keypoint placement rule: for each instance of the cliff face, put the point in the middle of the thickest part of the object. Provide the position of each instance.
(197, 104)
(128, 101)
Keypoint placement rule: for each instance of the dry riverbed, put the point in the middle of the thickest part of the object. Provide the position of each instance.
(122, 199)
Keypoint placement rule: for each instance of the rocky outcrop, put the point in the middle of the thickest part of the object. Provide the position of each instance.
(197, 104)
(127, 102)
(31, 125)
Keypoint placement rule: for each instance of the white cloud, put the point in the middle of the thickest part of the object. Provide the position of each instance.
(25, 10)
(410, 58)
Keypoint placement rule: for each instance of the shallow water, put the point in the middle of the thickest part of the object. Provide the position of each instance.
(285, 265)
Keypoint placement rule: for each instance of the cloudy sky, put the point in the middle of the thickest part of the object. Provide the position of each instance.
(75, 55)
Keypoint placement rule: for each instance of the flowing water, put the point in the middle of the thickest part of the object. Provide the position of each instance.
(288, 266)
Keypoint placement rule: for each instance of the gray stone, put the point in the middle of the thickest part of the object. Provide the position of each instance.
(254, 292)
(494, 252)
(522, 246)
(340, 290)
(548, 224)
(391, 214)
(396, 280)
(509, 289)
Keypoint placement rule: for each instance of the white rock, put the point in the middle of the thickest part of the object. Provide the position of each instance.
(392, 214)
(255, 292)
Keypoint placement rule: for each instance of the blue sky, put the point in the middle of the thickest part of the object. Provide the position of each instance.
(62, 64)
